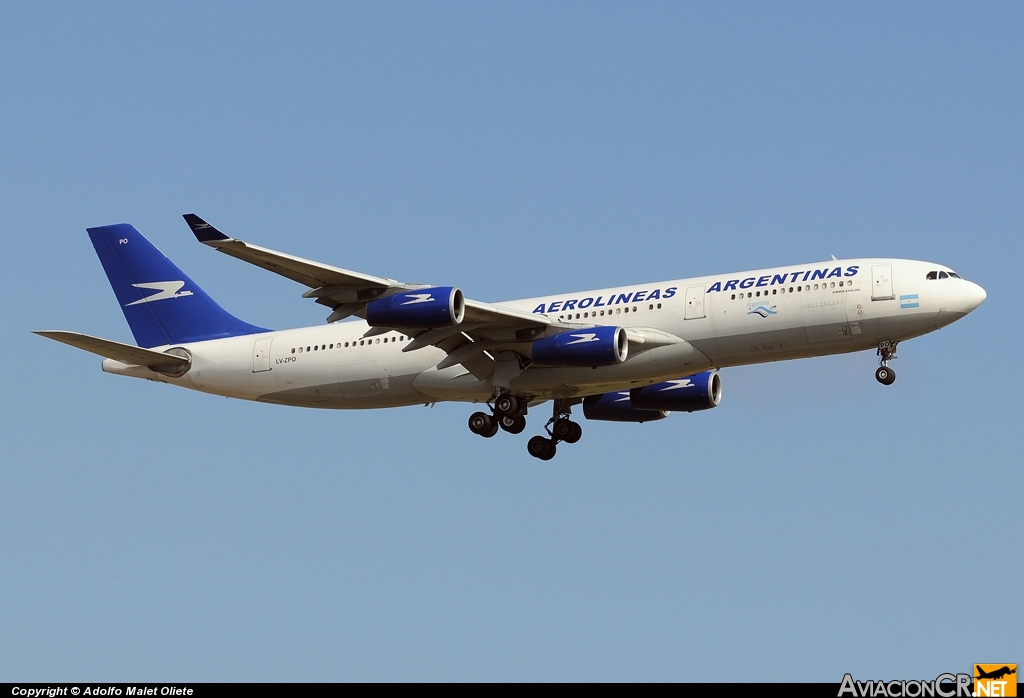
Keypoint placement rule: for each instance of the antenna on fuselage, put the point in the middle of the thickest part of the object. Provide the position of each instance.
(834, 258)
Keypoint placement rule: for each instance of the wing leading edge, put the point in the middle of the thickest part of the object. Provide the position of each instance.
(485, 329)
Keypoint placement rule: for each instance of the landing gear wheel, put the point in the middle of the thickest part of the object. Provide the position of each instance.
(508, 406)
(542, 448)
(885, 375)
(483, 424)
(513, 425)
(567, 430)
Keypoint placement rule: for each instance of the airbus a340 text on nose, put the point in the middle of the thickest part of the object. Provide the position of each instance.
(629, 354)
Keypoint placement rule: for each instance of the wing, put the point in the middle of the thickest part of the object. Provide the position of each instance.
(485, 329)
(125, 353)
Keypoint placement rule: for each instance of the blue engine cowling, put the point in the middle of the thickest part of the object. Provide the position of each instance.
(616, 407)
(443, 306)
(700, 392)
(593, 346)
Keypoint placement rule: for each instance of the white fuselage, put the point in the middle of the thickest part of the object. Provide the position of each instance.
(724, 320)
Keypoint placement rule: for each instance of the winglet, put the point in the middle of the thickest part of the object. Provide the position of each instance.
(203, 231)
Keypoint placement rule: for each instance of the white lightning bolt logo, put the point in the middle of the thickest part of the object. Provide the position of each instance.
(415, 298)
(676, 385)
(165, 289)
(582, 338)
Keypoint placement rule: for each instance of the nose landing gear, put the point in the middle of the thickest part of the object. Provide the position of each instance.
(886, 352)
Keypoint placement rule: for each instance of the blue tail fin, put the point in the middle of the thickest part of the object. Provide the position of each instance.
(161, 304)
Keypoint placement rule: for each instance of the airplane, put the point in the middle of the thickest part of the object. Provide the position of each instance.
(627, 354)
(996, 674)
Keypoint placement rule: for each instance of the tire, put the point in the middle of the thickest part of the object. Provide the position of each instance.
(542, 448)
(885, 375)
(483, 424)
(507, 405)
(577, 433)
(513, 425)
(562, 430)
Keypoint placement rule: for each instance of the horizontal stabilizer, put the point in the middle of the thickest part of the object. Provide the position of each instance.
(125, 353)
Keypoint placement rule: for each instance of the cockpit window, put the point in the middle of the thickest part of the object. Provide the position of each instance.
(955, 275)
(932, 275)
(943, 275)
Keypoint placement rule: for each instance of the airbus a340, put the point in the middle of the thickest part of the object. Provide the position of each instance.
(628, 354)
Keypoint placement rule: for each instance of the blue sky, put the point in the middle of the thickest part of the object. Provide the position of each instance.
(815, 523)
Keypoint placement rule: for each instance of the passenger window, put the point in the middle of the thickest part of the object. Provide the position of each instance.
(618, 310)
(627, 310)
(943, 275)
(651, 306)
(733, 297)
(775, 291)
(659, 306)
(293, 350)
(932, 275)
(634, 308)
(833, 285)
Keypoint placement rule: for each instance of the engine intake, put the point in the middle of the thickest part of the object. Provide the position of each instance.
(700, 392)
(442, 306)
(593, 346)
(616, 407)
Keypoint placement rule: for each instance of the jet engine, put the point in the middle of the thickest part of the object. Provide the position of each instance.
(592, 346)
(700, 392)
(616, 407)
(442, 306)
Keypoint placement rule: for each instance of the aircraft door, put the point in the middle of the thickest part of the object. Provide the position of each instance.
(881, 282)
(694, 303)
(261, 355)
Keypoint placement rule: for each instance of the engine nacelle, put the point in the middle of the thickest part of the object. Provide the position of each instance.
(593, 346)
(616, 407)
(700, 392)
(443, 306)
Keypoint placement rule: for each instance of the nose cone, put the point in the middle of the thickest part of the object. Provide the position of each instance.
(974, 295)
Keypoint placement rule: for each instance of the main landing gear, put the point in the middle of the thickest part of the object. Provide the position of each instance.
(509, 414)
(886, 352)
(559, 428)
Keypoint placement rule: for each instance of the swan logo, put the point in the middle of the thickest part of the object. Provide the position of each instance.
(164, 290)
(761, 309)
